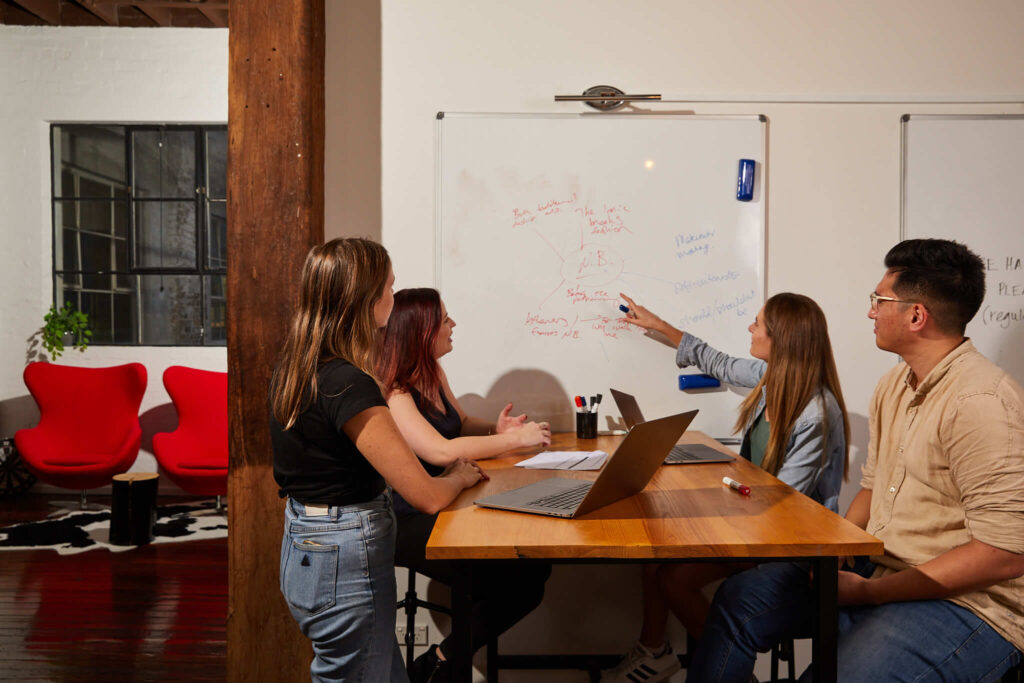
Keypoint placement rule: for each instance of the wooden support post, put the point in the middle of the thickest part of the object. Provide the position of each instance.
(275, 214)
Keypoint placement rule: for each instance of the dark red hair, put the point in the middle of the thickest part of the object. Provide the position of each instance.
(406, 359)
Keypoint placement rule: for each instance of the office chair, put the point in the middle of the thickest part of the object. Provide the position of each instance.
(410, 603)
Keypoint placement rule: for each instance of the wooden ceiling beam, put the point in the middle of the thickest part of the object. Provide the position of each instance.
(47, 10)
(104, 10)
(157, 12)
(217, 17)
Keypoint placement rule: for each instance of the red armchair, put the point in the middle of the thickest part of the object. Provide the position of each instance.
(88, 428)
(195, 455)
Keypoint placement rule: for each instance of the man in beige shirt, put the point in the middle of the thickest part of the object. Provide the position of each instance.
(943, 487)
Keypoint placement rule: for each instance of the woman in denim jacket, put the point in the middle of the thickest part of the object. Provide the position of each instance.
(794, 426)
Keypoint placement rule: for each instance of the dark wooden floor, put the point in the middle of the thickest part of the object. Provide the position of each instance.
(155, 613)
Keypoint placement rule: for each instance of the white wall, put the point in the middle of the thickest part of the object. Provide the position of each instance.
(834, 169)
(87, 75)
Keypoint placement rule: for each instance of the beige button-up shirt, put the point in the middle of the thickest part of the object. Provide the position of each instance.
(945, 466)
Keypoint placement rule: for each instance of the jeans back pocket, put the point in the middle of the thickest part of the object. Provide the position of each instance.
(310, 576)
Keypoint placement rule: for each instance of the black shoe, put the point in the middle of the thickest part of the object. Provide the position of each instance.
(428, 668)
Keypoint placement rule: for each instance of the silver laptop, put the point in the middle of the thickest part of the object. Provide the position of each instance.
(681, 454)
(627, 472)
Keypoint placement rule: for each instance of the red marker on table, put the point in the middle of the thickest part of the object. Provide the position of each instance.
(732, 483)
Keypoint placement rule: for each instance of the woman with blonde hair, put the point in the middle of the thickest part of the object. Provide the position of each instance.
(794, 426)
(336, 451)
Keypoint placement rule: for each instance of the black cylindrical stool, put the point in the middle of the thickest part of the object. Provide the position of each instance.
(133, 508)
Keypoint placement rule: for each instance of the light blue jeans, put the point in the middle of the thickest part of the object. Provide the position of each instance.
(927, 640)
(338, 578)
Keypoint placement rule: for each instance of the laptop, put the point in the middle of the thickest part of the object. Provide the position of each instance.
(681, 454)
(627, 472)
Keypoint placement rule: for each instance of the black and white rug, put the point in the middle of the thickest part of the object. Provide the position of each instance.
(81, 530)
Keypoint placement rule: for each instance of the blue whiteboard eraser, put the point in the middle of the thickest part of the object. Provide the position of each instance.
(697, 382)
(745, 180)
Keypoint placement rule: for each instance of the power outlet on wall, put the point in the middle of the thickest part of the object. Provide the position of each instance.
(419, 635)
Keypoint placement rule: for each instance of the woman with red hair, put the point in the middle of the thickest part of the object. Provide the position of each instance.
(419, 332)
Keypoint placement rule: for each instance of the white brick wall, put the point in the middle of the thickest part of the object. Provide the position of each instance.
(87, 75)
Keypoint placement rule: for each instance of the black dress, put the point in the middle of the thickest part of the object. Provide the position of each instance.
(503, 592)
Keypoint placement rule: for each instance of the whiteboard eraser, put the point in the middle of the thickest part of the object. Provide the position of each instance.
(745, 180)
(697, 382)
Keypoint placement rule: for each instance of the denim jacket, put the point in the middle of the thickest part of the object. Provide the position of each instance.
(801, 468)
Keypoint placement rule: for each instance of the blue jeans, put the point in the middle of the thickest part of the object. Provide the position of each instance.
(927, 640)
(338, 578)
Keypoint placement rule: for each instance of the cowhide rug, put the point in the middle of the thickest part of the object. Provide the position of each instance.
(81, 530)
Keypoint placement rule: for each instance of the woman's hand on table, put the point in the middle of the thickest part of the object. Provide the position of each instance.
(466, 472)
(535, 434)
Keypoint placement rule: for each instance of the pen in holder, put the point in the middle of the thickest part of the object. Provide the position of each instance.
(586, 425)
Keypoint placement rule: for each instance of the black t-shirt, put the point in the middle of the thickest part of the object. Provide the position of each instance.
(315, 462)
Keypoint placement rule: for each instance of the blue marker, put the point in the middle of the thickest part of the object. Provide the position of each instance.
(624, 308)
(583, 404)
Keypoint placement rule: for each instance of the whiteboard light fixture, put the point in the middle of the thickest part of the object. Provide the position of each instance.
(606, 98)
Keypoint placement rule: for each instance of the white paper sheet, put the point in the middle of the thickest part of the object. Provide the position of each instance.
(565, 460)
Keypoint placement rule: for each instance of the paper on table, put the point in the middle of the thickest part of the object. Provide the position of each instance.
(565, 460)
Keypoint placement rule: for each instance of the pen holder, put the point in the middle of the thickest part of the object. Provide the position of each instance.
(586, 425)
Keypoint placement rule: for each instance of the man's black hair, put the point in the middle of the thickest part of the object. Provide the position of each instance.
(945, 276)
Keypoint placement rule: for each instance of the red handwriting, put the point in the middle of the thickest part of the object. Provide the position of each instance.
(521, 217)
(578, 295)
(609, 327)
(554, 206)
(557, 327)
(597, 259)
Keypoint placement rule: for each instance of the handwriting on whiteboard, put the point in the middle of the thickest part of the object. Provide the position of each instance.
(594, 242)
(1004, 300)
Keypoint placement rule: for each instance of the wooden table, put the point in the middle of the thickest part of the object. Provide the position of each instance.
(684, 513)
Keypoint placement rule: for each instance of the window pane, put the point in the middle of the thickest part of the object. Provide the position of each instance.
(216, 310)
(88, 161)
(124, 310)
(165, 234)
(67, 257)
(66, 290)
(217, 235)
(217, 164)
(98, 306)
(96, 256)
(171, 309)
(164, 163)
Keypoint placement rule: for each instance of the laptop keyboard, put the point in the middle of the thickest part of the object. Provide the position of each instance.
(679, 454)
(564, 500)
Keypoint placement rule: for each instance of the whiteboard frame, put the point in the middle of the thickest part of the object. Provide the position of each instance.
(719, 398)
(439, 208)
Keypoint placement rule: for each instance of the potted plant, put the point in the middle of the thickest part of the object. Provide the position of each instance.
(62, 326)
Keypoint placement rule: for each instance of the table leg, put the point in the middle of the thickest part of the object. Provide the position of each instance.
(461, 637)
(826, 617)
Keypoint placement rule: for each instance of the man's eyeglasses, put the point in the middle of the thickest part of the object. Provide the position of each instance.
(875, 298)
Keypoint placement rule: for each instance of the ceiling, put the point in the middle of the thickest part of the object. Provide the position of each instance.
(137, 13)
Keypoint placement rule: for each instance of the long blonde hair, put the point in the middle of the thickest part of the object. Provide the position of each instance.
(341, 281)
(800, 368)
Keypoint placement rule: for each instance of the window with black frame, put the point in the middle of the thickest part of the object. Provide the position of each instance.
(140, 231)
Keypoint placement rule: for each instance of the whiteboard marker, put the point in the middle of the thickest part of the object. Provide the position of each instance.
(732, 483)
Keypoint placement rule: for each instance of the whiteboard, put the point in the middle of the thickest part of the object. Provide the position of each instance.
(963, 179)
(543, 219)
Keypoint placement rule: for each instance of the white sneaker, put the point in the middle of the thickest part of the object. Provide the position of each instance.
(640, 665)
